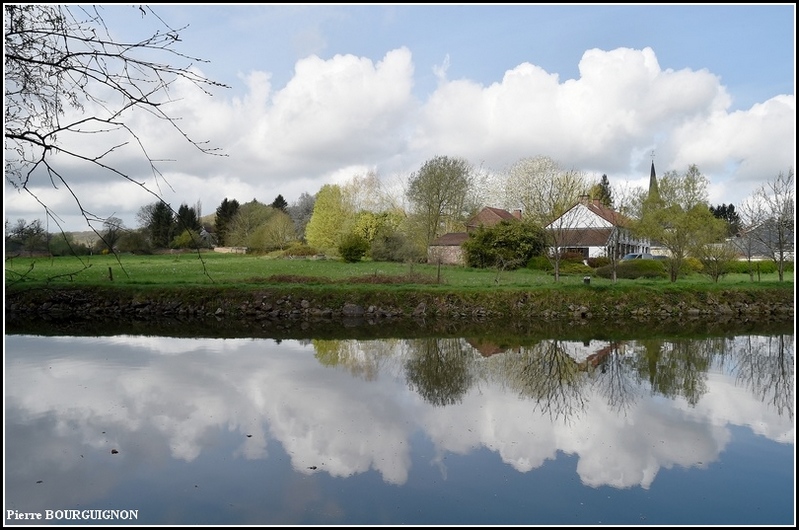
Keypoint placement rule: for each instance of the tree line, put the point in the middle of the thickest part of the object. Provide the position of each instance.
(62, 63)
(362, 218)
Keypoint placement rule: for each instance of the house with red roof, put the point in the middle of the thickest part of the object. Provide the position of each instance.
(447, 250)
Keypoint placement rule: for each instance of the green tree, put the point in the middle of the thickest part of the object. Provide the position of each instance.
(276, 233)
(438, 195)
(135, 241)
(679, 218)
(64, 244)
(330, 220)
(243, 228)
(187, 239)
(390, 241)
(506, 245)
(674, 369)
(224, 214)
(352, 247)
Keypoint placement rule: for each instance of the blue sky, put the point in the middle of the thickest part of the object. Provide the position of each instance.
(323, 93)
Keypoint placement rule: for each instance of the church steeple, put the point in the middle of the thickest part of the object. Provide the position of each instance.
(653, 183)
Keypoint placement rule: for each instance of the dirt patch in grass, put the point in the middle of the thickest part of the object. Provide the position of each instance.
(296, 278)
(415, 278)
(392, 279)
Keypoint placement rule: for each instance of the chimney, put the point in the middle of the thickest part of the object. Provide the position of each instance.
(517, 213)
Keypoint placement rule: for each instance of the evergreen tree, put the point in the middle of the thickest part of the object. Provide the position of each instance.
(187, 218)
(224, 213)
(162, 225)
(603, 192)
(279, 203)
(728, 214)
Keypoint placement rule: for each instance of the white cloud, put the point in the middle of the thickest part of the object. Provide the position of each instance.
(347, 112)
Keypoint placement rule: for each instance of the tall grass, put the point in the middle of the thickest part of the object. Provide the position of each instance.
(243, 270)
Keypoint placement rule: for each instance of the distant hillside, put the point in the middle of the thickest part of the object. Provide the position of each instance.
(87, 238)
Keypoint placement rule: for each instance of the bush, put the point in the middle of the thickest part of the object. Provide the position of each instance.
(390, 246)
(764, 267)
(135, 242)
(508, 244)
(64, 244)
(690, 265)
(571, 268)
(352, 248)
(188, 239)
(299, 250)
(597, 262)
(633, 269)
(571, 257)
(540, 263)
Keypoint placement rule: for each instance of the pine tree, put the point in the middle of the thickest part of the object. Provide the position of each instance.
(279, 203)
(224, 213)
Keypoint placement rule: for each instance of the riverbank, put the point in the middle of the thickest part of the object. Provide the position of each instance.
(303, 307)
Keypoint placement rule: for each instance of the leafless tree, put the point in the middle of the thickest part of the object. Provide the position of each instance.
(69, 84)
(769, 217)
(546, 192)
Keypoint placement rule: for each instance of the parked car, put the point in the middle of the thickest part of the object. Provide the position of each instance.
(637, 255)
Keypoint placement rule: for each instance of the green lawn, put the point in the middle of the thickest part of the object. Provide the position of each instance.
(235, 269)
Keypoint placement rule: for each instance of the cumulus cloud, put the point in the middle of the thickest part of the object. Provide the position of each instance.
(348, 112)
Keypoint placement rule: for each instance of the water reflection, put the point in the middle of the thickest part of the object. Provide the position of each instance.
(183, 412)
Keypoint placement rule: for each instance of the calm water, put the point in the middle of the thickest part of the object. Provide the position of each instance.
(401, 431)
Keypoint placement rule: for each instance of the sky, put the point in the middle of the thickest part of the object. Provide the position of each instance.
(321, 93)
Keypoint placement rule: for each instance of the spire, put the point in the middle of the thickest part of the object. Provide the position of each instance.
(653, 182)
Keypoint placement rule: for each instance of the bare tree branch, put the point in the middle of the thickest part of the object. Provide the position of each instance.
(67, 77)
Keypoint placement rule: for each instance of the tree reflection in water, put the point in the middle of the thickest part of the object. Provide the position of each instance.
(517, 430)
(440, 370)
(556, 375)
(617, 380)
(767, 368)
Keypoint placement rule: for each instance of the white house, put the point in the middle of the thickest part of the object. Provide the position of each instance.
(593, 230)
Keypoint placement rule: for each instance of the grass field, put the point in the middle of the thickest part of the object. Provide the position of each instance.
(236, 269)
